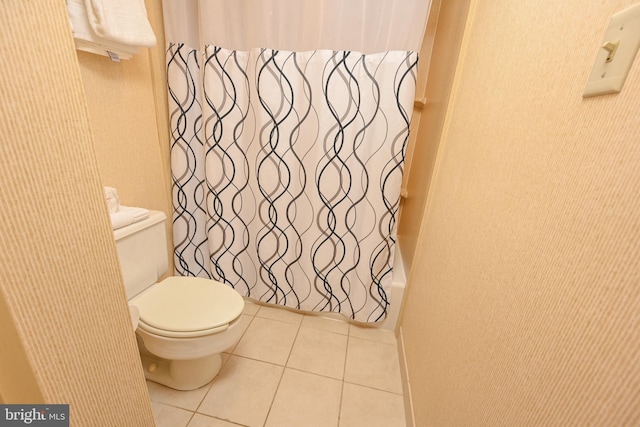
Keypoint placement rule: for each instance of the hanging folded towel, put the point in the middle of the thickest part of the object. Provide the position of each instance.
(121, 21)
(115, 53)
(87, 40)
(128, 215)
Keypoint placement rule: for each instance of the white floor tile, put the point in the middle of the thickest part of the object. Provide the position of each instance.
(373, 334)
(281, 314)
(200, 420)
(326, 324)
(305, 399)
(169, 416)
(319, 352)
(250, 308)
(254, 388)
(373, 364)
(363, 406)
(242, 392)
(267, 340)
(183, 399)
(245, 321)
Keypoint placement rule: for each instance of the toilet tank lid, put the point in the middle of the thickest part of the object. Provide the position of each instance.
(154, 218)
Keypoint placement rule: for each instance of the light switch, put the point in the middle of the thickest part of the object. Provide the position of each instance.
(616, 55)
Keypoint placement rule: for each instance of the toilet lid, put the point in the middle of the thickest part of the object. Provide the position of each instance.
(185, 304)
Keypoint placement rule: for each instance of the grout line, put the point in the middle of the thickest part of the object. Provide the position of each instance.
(220, 419)
(292, 345)
(313, 373)
(340, 404)
(284, 368)
(344, 373)
(243, 333)
(193, 414)
(346, 354)
(374, 388)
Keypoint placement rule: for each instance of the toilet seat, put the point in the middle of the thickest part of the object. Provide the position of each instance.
(187, 334)
(184, 307)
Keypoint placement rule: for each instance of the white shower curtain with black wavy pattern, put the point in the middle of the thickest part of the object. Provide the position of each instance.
(287, 166)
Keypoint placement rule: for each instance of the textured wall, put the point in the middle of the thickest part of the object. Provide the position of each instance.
(66, 332)
(524, 307)
(123, 120)
(128, 116)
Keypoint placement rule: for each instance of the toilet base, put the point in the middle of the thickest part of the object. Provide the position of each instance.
(185, 363)
(181, 374)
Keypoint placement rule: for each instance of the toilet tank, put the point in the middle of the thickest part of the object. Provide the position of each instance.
(142, 251)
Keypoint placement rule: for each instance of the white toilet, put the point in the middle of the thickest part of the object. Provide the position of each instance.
(184, 322)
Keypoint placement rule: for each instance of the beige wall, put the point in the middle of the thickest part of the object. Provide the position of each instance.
(64, 323)
(524, 307)
(123, 120)
(127, 110)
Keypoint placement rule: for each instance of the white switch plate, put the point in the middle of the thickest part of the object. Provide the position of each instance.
(608, 77)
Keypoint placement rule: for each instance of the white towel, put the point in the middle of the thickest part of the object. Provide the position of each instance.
(87, 40)
(122, 21)
(128, 215)
(100, 49)
(113, 200)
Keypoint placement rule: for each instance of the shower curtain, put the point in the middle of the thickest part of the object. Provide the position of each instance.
(287, 146)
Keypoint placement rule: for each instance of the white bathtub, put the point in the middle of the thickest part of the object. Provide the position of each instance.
(398, 283)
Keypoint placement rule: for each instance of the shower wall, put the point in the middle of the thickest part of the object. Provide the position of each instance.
(436, 69)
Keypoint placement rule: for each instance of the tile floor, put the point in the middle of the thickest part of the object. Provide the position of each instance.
(296, 370)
